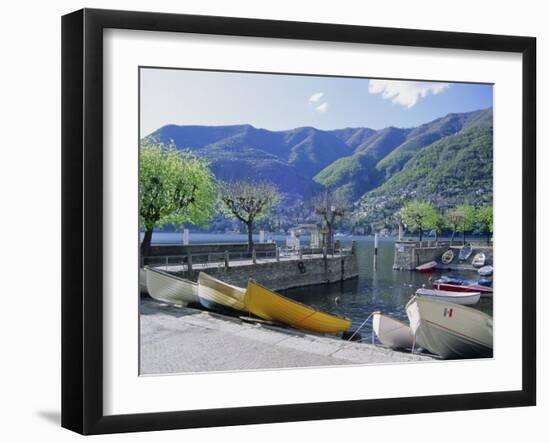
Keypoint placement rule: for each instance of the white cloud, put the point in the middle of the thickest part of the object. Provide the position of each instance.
(315, 97)
(405, 93)
(322, 107)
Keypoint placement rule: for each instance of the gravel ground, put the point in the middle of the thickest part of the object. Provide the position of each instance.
(177, 340)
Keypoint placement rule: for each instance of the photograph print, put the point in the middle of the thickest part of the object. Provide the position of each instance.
(294, 221)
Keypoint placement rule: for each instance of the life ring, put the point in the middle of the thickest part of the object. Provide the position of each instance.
(301, 267)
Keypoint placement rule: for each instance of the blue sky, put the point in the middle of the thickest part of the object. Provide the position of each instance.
(278, 102)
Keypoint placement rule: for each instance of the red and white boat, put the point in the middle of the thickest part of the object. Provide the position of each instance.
(427, 267)
(462, 288)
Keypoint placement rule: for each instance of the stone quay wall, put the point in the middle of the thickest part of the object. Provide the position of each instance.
(408, 255)
(285, 274)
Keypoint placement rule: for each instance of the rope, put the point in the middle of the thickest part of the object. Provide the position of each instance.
(362, 324)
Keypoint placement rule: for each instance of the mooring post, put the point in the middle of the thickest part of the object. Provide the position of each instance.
(300, 253)
(375, 248)
(254, 255)
(353, 247)
(226, 259)
(189, 265)
(278, 253)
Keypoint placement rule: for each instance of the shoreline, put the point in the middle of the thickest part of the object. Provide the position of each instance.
(182, 340)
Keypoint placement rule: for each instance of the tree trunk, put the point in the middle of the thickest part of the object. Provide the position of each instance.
(464, 237)
(436, 235)
(453, 236)
(250, 242)
(146, 243)
(488, 237)
(420, 232)
(329, 237)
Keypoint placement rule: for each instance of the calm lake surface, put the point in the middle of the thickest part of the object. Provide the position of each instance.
(378, 288)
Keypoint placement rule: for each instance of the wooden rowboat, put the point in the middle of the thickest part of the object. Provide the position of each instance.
(392, 332)
(478, 260)
(448, 256)
(427, 267)
(465, 281)
(216, 294)
(450, 330)
(462, 288)
(460, 298)
(170, 288)
(485, 270)
(465, 252)
(271, 306)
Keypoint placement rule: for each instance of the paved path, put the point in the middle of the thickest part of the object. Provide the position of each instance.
(176, 340)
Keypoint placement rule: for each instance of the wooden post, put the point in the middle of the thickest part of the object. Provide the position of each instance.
(300, 254)
(254, 255)
(226, 259)
(353, 247)
(189, 265)
(278, 253)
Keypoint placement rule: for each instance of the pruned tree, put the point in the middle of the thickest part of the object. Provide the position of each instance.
(418, 216)
(175, 187)
(484, 217)
(248, 202)
(330, 206)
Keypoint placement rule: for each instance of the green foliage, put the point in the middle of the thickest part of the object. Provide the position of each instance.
(468, 217)
(484, 217)
(419, 216)
(175, 187)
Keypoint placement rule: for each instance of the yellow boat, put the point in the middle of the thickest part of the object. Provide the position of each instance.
(216, 294)
(271, 306)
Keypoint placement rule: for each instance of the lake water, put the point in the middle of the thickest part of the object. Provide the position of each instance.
(378, 288)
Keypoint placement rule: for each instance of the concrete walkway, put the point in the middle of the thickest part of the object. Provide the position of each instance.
(176, 340)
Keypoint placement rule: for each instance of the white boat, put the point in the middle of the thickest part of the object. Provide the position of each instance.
(485, 270)
(450, 330)
(142, 280)
(170, 288)
(479, 260)
(448, 256)
(392, 332)
(460, 298)
(216, 294)
(465, 252)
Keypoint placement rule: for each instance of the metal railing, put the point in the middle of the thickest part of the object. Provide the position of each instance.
(226, 258)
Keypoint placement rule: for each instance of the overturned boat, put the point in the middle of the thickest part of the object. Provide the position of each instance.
(271, 306)
(427, 267)
(450, 330)
(170, 288)
(392, 332)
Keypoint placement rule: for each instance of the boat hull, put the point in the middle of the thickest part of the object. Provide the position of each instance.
(426, 267)
(485, 271)
(450, 330)
(460, 298)
(170, 288)
(463, 288)
(216, 294)
(392, 332)
(271, 306)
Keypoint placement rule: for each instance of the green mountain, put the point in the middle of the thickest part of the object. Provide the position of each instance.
(453, 170)
(447, 160)
(385, 152)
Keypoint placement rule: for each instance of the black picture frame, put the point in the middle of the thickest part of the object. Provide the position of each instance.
(82, 159)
